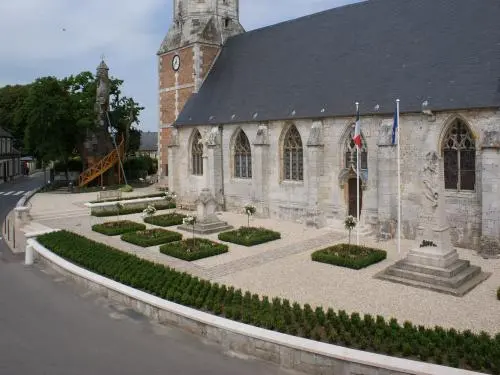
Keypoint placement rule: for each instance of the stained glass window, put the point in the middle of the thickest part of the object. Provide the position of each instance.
(459, 152)
(242, 156)
(197, 154)
(293, 162)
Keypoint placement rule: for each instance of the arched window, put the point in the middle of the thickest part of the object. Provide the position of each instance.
(351, 153)
(197, 155)
(242, 156)
(459, 152)
(293, 162)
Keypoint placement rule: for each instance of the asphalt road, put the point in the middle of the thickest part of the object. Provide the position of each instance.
(49, 325)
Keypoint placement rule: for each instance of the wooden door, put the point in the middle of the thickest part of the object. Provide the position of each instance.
(353, 197)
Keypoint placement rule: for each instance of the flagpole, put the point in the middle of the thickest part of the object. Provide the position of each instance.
(357, 185)
(399, 176)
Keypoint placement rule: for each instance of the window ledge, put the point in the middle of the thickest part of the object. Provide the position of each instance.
(292, 182)
(460, 194)
(240, 180)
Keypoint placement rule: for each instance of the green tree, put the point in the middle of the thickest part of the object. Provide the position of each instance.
(12, 117)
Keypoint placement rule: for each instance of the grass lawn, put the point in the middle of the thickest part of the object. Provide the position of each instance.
(193, 249)
(248, 236)
(353, 256)
(114, 228)
(151, 237)
(166, 220)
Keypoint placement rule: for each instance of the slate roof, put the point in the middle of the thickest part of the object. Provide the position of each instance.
(443, 51)
(149, 141)
(5, 133)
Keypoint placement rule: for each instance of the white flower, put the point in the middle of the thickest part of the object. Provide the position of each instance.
(250, 209)
(149, 210)
(189, 220)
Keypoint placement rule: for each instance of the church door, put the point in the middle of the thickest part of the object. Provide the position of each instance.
(352, 197)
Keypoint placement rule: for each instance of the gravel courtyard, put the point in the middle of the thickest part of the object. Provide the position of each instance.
(284, 268)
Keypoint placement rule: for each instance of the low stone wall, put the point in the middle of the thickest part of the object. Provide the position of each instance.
(140, 203)
(290, 352)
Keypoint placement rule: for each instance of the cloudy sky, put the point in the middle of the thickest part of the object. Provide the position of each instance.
(63, 37)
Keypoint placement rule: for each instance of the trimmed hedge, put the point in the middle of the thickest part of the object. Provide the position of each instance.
(151, 237)
(128, 211)
(154, 195)
(449, 347)
(113, 228)
(353, 256)
(190, 249)
(166, 220)
(248, 236)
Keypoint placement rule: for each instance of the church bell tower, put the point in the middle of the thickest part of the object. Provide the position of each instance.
(199, 29)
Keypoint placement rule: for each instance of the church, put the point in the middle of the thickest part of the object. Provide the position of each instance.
(267, 116)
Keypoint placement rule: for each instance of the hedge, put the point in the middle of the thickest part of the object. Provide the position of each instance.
(350, 256)
(193, 249)
(128, 211)
(154, 195)
(114, 228)
(248, 236)
(151, 237)
(449, 347)
(166, 220)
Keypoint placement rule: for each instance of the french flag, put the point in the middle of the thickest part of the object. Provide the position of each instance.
(357, 131)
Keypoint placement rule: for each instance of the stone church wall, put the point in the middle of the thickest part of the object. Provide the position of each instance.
(293, 200)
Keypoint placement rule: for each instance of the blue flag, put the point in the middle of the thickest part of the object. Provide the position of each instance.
(395, 126)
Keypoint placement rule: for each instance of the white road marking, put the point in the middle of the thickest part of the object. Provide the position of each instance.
(8, 193)
(19, 192)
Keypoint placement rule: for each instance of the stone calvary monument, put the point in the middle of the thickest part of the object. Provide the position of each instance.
(435, 263)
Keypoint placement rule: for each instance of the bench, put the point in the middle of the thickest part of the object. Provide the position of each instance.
(109, 195)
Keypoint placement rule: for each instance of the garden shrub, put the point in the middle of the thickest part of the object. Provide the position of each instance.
(166, 220)
(350, 256)
(465, 350)
(248, 236)
(127, 211)
(193, 249)
(113, 228)
(151, 237)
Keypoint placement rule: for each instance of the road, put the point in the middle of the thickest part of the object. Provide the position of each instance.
(49, 325)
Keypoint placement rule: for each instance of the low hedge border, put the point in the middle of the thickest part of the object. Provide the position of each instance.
(350, 256)
(248, 236)
(154, 195)
(193, 249)
(449, 347)
(114, 228)
(151, 237)
(128, 211)
(166, 220)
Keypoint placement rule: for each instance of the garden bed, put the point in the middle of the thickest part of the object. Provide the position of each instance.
(350, 256)
(449, 347)
(193, 249)
(114, 228)
(113, 211)
(166, 220)
(151, 237)
(248, 236)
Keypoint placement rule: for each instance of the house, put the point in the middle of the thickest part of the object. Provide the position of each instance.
(267, 116)
(149, 145)
(10, 164)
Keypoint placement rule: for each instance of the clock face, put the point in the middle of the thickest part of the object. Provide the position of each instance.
(176, 62)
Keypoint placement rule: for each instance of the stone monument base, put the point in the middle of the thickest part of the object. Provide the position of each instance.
(431, 268)
(209, 225)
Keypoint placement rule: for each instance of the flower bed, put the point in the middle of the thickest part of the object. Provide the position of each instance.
(114, 228)
(166, 220)
(151, 237)
(131, 210)
(353, 256)
(375, 334)
(193, 249)
(248, 236)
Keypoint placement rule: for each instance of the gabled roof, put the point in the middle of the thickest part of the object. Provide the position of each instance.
(444, 51)
(149, 141)
(5, 133)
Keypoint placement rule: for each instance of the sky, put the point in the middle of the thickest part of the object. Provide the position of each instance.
(62, 37)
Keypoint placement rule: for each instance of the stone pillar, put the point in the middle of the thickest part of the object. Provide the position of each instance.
(314, 216)
(260, 170)
(386, 181)
(210, 160)
(369, 210)
(173, 146)
(490, 181)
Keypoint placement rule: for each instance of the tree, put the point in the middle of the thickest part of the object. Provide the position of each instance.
(51, 131)
(350, 224)
(12, 117)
